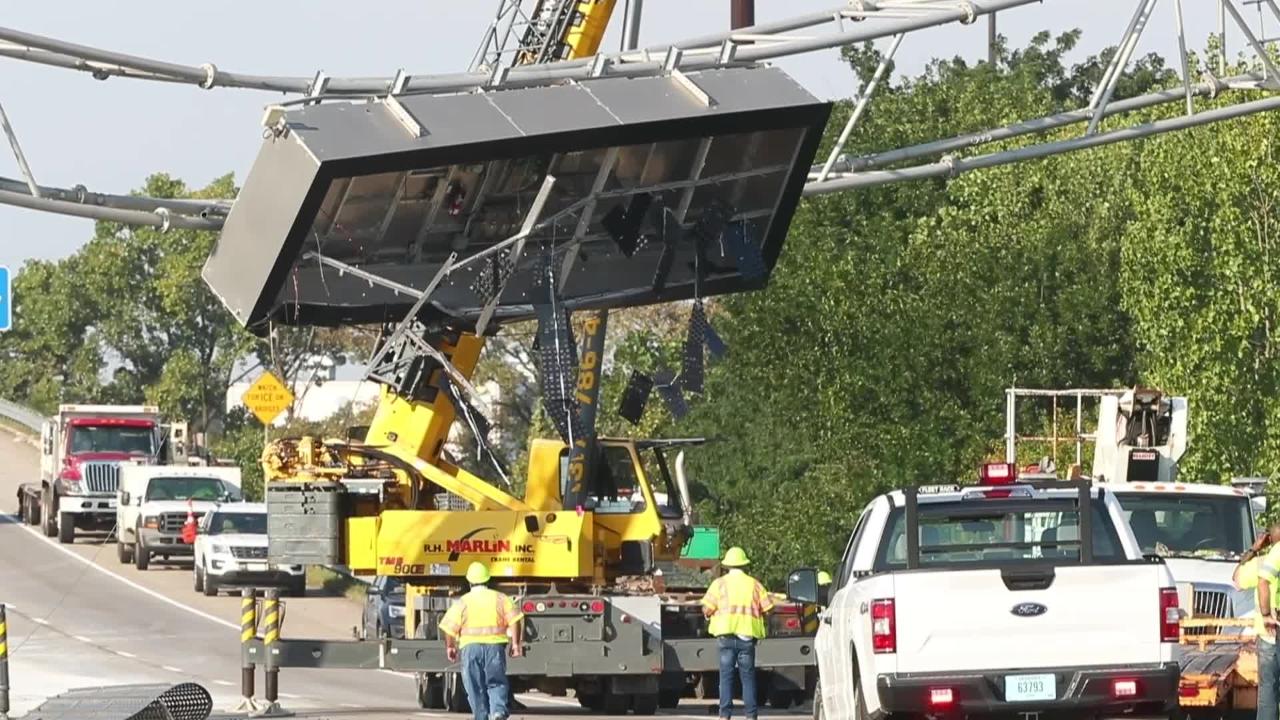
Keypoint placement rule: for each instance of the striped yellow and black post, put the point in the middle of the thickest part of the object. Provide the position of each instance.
(248, 631)
(271, 635)
(811, 618)
(4, 664)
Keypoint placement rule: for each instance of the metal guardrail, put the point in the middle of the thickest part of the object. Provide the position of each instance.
(22, 415)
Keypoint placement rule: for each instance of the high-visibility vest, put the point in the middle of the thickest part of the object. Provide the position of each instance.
(482, 616)
(738, 604)
(1263, 566)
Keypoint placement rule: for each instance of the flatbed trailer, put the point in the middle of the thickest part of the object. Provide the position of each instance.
(600, 646)
(1219, 668)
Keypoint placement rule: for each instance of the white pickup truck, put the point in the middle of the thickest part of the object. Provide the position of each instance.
(153, 504)
(996, 599)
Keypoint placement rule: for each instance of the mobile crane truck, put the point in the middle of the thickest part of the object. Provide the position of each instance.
(459, 214)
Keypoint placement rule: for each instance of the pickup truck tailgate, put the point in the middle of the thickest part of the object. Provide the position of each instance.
(1092, 615)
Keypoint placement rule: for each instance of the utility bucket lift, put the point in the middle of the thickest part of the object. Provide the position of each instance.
(1140, 434)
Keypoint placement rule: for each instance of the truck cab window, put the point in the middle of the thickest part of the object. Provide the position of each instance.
(661, 482)
(617, 488)
(1211, 527)
(185, 488)
(850, 552)
(238, 524)
(955, 534)
(112, 438)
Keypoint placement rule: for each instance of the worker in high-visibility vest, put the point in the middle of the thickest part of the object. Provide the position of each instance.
(824, 587)
(735, 605)
(1257, 570)
(484, 623)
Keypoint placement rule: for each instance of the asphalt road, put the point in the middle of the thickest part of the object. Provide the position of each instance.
(79, 618)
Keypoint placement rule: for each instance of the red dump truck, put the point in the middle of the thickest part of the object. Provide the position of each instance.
(81, 449)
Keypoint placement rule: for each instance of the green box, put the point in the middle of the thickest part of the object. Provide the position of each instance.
(704, 545)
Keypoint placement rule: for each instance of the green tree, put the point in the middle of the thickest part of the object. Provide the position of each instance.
(172, 341)
(897, 315)
(1201, 269)
(53, 354)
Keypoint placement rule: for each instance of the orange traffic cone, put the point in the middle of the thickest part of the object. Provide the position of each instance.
(189, 527)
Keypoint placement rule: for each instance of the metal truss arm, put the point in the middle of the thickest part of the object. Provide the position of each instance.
(881, 20)
(955, 166)
(847, 165)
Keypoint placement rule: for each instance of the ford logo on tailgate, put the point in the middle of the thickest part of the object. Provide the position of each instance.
(1028, 609)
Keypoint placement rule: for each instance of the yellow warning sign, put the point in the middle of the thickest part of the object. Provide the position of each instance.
(267, 397)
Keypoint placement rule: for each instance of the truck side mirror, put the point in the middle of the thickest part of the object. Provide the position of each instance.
(124, 497)
(802, 585)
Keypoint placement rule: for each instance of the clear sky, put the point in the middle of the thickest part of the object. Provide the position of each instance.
(110, 135)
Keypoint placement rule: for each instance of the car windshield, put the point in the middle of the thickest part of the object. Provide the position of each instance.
(238, 523)
(1213, 527)
(185, 488)
(956, 533)
(112, 438)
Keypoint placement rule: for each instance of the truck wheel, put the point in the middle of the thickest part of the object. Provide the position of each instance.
(31, 509)
(455, 695)
(66, 528)
(669, 699)
(779, 699)
(124, 553)
(859, 702)
(616, 704)
(209, 586)
(49, 520)
(141, 556)
(592, 702)
(297, 588)
(430, 691)
(197, 582)
(645, 703)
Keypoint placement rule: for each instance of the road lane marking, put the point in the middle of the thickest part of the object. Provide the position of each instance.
(290, 696)
(82, 639)
(224, 683)
(351, 705)
(124, 654)
(140, 588)
(172, 669)
(39, 621)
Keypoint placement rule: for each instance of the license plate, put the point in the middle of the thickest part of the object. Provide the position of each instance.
(255, 567)
(1029, 688)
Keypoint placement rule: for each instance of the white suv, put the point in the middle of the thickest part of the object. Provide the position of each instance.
(231, 550)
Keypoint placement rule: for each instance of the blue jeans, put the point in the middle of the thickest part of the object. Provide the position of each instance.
(739, 653)
(484, 675)
(1268, 681)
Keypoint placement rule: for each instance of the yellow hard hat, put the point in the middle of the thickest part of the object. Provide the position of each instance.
(735, 557)
(477, 574)
(824, 577)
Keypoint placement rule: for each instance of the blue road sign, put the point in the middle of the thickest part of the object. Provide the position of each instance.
(6, 300)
